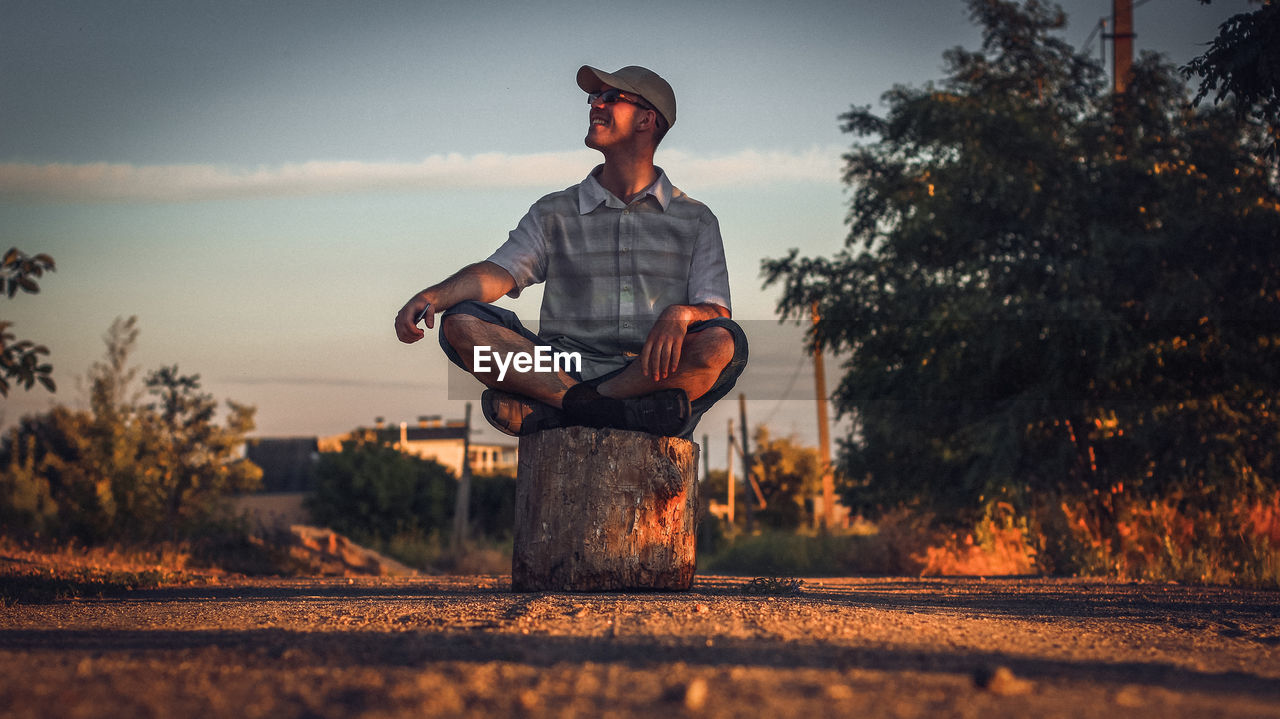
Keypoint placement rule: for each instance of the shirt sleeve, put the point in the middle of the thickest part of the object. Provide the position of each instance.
(524, 254)
(708, 270)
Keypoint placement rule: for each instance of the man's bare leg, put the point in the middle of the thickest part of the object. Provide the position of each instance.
(629, 400)
(465, 333)
(703, 356)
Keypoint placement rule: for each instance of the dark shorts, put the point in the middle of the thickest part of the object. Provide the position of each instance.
(723, 384)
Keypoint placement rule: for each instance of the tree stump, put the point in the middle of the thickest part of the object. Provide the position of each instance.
(603, 509)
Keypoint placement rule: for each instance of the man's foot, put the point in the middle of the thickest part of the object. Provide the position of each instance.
(663, 413)
(518, 415)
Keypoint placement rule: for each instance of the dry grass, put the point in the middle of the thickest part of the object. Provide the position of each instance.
(1171, 540)
(1145, 540)
(30, 573)
(990, 550)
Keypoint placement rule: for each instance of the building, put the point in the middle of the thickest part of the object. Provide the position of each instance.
(433, 438)
(288, 463)
(288, 476)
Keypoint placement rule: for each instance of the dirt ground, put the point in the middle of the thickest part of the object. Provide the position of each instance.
(467, 646)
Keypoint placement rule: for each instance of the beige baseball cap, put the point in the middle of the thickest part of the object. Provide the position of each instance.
(640, 80)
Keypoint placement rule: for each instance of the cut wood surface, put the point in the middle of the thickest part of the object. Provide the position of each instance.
(601, 509)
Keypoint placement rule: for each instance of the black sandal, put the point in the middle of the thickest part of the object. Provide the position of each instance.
(663, 413)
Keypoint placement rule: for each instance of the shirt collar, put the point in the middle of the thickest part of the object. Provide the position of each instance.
(591, 194)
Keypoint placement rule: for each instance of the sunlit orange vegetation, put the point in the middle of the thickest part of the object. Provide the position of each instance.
(73, 556)
(39, 572)
(1122, 537)
(1171, 540)
(996, 547)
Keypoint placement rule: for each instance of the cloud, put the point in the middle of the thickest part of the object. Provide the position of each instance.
(104, 182)
(750, 167)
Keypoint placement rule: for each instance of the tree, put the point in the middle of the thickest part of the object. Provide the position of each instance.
(193, 463)
(1243, 62)
(111, 377)
(46, 485)
(1039, 296)
(787, 473)
(493, 504)
(715, 487)
(20, 360)
(373, 491)
(126, 471)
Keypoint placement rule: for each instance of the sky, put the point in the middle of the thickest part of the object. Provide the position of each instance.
(264, 184)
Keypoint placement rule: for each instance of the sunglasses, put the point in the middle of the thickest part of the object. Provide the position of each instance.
(608, 97)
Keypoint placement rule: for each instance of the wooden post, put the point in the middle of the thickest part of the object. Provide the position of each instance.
(824, 433)
(602, 509)
(748, 479)
(462, 504)
(1122, 44)
(729, 471)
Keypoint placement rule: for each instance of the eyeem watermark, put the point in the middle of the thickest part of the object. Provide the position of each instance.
(543, 359)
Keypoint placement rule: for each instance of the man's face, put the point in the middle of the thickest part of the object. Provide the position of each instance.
(612, 123)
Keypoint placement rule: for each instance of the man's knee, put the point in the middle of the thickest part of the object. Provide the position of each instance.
(461, 330)
(453, 328)
(710, 348)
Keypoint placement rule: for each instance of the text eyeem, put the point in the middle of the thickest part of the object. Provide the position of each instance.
(543, 359)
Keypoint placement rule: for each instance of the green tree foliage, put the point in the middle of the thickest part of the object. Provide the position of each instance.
(1243, 62)
(1041, 295)
(493, 505)
(125, 470)
(788, 473)
(193, 463)
(715, 486)
(21, 360)
(373, 491)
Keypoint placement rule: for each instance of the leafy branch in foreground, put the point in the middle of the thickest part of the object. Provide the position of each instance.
(1243, 62)
(20, 360)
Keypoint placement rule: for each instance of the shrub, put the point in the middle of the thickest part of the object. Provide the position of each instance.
(373, 492)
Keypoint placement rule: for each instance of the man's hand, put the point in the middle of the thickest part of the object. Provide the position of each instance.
(407, 329)
(661, 354)
(482, 282)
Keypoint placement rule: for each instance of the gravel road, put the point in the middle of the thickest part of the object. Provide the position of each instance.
(467, 646)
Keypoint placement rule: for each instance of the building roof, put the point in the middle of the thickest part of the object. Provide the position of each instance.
(421, 434)
(288, 463)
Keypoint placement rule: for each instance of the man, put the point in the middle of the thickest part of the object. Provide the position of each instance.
(636, 289)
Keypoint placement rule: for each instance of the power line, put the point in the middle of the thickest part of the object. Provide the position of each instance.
(787, 392)
(1102, 23)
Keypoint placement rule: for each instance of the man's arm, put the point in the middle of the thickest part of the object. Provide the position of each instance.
(482, 282)
(661, 354)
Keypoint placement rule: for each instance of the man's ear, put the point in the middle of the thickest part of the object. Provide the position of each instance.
(648, 120)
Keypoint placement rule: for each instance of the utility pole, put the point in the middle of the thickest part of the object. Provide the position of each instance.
(706, 455)
(1121, 44)
(824, 432)
(462, 506)
(746, 462)
(729, 478)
